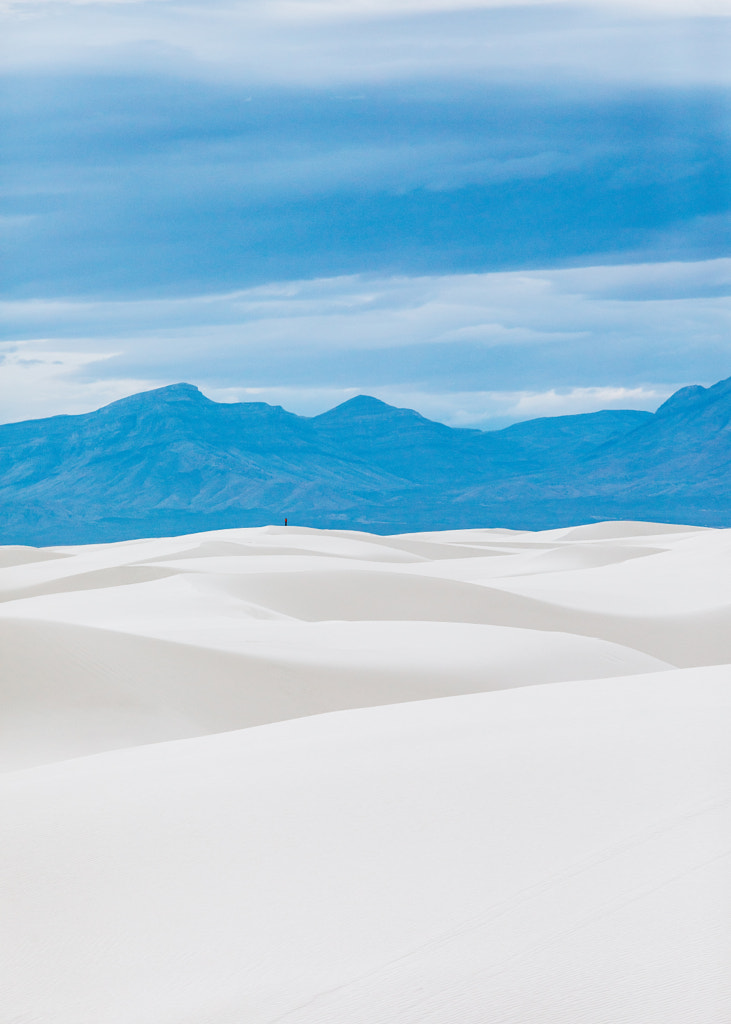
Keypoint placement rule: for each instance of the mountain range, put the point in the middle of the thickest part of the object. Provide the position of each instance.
(172, 461)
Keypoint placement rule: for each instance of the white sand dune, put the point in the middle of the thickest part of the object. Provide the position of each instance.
(552, 854)
(69, 690)
(288, 775)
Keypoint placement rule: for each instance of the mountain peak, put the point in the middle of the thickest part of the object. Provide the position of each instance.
(695, 396)
(363, 405)
(175, 392)
(181, 392)
(682, 399)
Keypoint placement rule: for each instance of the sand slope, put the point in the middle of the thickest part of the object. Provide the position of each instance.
(551, 854)
(112, 645)
(241, 848)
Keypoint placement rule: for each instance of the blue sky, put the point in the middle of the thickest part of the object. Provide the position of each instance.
(486, 211)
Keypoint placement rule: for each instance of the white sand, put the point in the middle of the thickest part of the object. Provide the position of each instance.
(508, 852)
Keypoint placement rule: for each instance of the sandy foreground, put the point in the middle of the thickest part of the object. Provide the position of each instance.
(297, 776)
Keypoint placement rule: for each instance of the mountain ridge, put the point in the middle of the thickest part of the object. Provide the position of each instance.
(172, 460)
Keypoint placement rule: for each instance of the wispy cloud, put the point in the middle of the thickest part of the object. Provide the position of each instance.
(38, 380)
(472, 348)
(344, 42)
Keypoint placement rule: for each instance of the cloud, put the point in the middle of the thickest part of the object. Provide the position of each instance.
(157, 185)
(338, 10)
(470, 348)
(339, 43)
(38, 380)
(571, 401)
(471, 205)
(526, 307)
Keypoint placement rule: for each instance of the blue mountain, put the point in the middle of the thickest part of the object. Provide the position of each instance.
(173, 461)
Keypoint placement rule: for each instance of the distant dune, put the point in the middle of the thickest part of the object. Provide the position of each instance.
(285, 775)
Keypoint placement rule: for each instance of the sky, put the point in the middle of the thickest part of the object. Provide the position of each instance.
(485, 210)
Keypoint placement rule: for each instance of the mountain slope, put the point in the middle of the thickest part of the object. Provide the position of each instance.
(684, 449)
(173, 461)
(172, 449)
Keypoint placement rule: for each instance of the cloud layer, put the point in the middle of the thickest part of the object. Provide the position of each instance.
(485, 210)
(336, 43)
(473, 348)
(167, 186)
